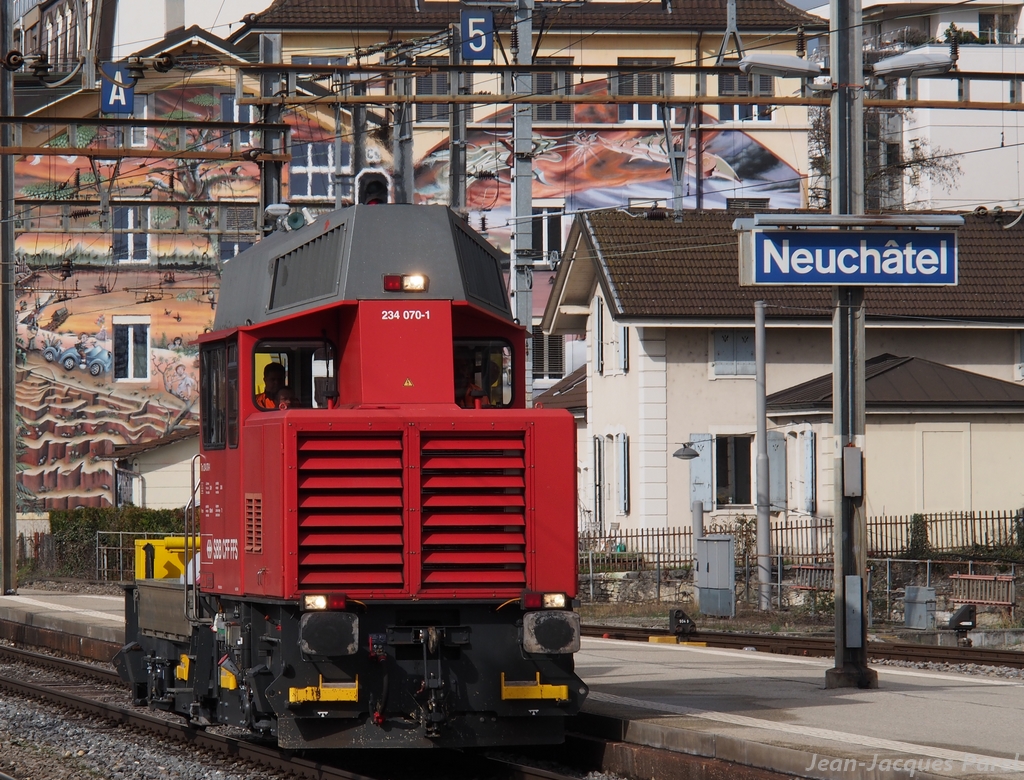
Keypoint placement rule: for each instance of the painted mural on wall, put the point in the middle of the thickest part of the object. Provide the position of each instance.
(606, 168)
(110, 300)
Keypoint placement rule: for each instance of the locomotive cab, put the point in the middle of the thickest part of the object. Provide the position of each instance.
(388, 535)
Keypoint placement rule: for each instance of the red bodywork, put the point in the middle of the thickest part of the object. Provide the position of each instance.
(397, 493)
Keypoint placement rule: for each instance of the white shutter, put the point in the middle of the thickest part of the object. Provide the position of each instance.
(599, 336)
(623, 348)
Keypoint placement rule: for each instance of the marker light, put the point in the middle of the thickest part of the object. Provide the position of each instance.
(312, 602)
(530, 600)
(405, 283)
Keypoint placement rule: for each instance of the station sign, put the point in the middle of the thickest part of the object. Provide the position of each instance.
(849, 258)
(477, 35)
(116, 97)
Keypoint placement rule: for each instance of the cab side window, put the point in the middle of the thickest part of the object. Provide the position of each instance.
(213, 393)
(483, 373)
(293, 375)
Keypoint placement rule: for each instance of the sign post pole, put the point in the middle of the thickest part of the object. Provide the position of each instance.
(848, 409)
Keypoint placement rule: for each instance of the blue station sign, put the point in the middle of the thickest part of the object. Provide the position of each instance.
(854, 257)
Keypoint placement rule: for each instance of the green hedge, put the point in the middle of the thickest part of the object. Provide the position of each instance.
(74, 532)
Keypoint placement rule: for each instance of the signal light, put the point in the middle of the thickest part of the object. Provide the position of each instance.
(372, 189)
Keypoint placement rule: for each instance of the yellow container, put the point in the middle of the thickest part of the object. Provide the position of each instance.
(168, 557)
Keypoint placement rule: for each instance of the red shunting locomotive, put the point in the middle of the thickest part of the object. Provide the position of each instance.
(387, 555)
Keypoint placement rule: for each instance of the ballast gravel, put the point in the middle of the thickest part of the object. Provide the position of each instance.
(46, 744)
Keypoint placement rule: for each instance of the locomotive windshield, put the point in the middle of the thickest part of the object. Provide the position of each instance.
(483, 373)
(292, 374)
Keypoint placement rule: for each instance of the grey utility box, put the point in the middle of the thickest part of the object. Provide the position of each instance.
(919, 608)
(717, 585)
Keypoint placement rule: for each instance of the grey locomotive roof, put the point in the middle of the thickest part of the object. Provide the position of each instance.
(344, 255)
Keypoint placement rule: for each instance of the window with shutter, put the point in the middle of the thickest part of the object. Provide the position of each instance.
(641, 77)
(740, 85)
(552, 83)
(733, 352)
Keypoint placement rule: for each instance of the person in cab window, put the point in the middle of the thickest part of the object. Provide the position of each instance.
(285, 398)
(467, 391)
(273, 381)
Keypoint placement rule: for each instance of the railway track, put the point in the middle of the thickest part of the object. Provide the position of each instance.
(823, 647)
(69, 694)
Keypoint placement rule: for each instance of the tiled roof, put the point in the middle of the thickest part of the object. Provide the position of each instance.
(664, 269)
(907, 382)
(131, 450)
(568, 393)
(389, 14)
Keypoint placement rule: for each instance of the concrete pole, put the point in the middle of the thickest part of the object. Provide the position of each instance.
(521, 263)
(764, 528)
(847, 172)
(8, 489)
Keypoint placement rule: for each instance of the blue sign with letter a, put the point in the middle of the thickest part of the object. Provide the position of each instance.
(855, 257)
(477, 34)
(116, 99)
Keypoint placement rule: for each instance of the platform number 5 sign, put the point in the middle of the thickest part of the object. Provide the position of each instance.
(477, 35)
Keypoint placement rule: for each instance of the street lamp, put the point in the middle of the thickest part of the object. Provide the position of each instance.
(686, 452)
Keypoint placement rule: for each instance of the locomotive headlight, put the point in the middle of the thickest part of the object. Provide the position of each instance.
(405, 283)
(313, 602)
(414, 283)
(554, 601)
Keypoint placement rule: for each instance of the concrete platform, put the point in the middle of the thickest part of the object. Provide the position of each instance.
(773, 712)
(97, 617)
(754, 709)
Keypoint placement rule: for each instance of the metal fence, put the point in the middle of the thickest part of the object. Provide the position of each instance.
(115, 553)
(809, 540)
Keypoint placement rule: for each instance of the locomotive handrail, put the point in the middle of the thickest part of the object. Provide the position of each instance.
(193, 613)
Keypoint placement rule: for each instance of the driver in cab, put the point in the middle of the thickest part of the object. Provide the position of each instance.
(273, 384)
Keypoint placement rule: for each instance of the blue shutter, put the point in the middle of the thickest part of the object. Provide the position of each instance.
(777, 499)
(806, 440)
(701, 471)
(743, 340)
(725, 353)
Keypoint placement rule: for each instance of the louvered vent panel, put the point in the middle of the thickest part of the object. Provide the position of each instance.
(474, 511)
(350, 513)
(254, 522)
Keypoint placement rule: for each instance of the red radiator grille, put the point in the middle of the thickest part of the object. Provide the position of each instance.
(350, 512)
(473, 497)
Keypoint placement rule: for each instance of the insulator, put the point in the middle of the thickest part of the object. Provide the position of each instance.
(515, 38)
(801, 42)
(656, 214)
(483, 223)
